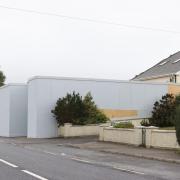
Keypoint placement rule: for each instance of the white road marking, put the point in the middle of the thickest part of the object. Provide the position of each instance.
(9, 164)
(47, 152)
(40, 150)
(117, 168)
(128, 170)
(63, 154)
(60, 144)
(30, 148)
(81, 160)
(34, 175)
(14, 144)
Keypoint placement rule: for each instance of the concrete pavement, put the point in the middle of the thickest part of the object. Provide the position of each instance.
(46, 160)
(122, 149)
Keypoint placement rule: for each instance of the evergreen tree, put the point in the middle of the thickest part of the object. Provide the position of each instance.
(177, 120)
(164, 111)
(68, 109)
(92, 113)
(74, 109)
(2, 78)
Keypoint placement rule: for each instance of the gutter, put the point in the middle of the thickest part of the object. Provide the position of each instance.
(155, 77)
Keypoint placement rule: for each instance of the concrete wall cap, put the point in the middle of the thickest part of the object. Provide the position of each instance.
(94, 80)
(119, 129)
(12, 84)
(164, 131)
(67, 124)
(139, 127)
(86, 125)
(129, 118)
(149, 127)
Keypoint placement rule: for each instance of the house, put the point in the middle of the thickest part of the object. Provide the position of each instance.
(167, 70)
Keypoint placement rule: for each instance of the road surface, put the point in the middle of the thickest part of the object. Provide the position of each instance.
(47, 161)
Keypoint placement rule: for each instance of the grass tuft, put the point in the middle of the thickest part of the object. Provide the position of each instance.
(127, 125)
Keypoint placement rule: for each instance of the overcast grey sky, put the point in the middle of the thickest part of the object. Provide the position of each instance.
(33, 44)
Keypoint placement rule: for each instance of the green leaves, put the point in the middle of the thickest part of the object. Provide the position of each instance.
(2, 78)
(74, 109)
(127, 125)
(163, 113)
(177, 120)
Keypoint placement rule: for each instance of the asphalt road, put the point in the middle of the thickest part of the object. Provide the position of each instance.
(49, 161)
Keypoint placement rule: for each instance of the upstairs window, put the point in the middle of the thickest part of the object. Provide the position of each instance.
(173, 79)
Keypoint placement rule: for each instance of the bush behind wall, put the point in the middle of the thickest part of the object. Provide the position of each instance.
(74, 109)
(177, 120)
(164, 110)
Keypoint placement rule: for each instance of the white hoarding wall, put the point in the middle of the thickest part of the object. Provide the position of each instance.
(13, 110)
(43, 92)
(4, 111)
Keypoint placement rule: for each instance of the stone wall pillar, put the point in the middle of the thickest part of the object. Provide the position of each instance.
(138, 136)
(64, 130)
(149, 135)
(101, 130)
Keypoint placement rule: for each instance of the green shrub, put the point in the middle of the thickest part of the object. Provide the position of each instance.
(68, 109)
(2, 78)
(167, 128)
(177, 100)
(164, 111)
(124, 125)
(177, 122)
(92, 114)
(74, 109)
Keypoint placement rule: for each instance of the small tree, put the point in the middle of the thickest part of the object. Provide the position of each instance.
(89, 104)
(68, 109)
(164, 111)
(177, 120)
(74, 109)
(177, 100)
(92, 114)
(2, 78)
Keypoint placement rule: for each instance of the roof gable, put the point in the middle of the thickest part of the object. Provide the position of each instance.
(168, 66)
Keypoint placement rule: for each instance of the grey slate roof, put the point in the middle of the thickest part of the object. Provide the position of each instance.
(161, 70)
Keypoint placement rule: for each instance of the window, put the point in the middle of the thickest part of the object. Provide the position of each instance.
(173, 79)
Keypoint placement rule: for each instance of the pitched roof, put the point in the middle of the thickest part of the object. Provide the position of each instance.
(168, 66)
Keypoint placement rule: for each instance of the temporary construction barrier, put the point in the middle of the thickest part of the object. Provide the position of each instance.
(13, 110)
